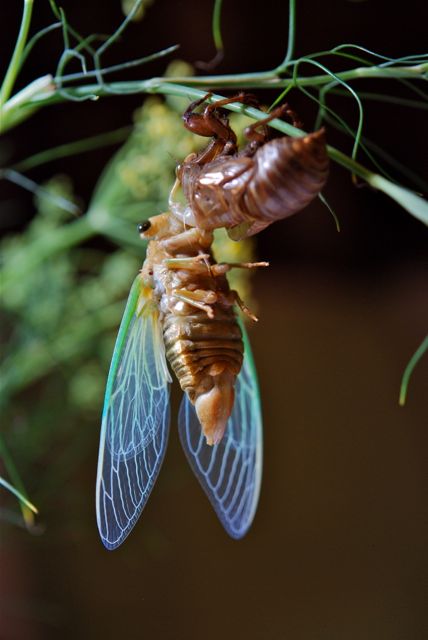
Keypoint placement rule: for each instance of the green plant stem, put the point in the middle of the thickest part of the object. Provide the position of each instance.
(4, 483)
(16, 60)
(18, 489)
(187, 87)
(73, 148)
(20, 106)
(216, 26)
(291, 36)
(423, 347)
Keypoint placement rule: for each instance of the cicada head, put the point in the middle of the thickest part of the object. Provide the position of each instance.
(158, 227)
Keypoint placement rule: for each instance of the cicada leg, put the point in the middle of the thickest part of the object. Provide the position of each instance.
(199, 298)
(222, 268)
(231, 298)
(195, 263)
(212, 122)
(260, 137)
(190, 240)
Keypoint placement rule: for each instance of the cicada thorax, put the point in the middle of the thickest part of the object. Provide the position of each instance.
(202, 337)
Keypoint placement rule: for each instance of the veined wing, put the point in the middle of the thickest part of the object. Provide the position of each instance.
(135, 420)
(230, 472)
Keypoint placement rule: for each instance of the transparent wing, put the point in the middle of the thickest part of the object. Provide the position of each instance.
(230, 472)
(135, 421)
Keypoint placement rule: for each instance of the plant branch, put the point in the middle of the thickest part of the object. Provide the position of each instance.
(420, 351)
(16, 60)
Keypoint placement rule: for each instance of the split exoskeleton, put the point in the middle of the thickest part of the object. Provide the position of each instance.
(247, 190)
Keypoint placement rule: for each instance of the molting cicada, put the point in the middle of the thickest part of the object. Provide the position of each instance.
(180, 307)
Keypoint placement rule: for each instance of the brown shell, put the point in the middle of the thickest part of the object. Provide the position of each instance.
(281, 178)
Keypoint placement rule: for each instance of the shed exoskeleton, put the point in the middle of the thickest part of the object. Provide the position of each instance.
(247, 190)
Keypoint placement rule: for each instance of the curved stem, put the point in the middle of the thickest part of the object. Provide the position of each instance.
(216, 26)
(291, 36)
(16, 60)
(423, 347)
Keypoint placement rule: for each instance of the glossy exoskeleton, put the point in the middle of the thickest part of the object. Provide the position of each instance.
(246, 190)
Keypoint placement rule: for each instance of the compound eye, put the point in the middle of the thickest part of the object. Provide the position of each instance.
(144, 226)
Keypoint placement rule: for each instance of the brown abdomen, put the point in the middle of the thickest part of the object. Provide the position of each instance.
(200, 348)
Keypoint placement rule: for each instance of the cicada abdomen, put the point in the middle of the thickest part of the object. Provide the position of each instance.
(247, 190)
(203, 340)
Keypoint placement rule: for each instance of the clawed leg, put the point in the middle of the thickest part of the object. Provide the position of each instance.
(257, 138)
(221, 268)
(231, 298)
(203, 299)
(214, 123)
(241, 304)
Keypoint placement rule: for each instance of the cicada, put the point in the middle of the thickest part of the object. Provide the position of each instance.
(180, 308)
(247, 190)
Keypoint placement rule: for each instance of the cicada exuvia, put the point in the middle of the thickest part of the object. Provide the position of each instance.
(180, 308)
(247, 190)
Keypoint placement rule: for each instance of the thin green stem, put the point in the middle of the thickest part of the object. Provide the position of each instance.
(120, 29)
(368, 145)
(20, 106)
(263, 80)
(291, 37)
(18, 489)
(216, 26)
(420, 351)
(22, 499)
(16, 60)
(24, 104)
(336, 80)
(73, 148)
(33, 187)
(35, 39)
(117, 67)
(384, 97)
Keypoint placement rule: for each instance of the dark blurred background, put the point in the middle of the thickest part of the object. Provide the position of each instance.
(338, 547)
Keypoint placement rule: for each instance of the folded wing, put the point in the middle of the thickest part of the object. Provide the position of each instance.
(135, 421)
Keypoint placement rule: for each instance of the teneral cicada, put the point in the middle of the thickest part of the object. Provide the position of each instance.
(180, 307)
(247, 190)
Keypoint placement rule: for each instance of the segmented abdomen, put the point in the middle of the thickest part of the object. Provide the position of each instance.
(199, 347)
(289, 174)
